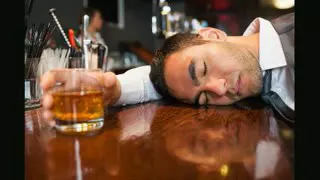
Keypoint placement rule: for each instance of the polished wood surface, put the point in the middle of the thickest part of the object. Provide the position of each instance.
(161, 141)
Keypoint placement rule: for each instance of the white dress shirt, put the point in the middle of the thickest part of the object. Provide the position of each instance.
(136, 86)
(271, 56)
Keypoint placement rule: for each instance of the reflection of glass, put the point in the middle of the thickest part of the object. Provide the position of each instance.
(79, 157)
(78, 104)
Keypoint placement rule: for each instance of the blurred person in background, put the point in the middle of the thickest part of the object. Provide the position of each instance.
(94, 27)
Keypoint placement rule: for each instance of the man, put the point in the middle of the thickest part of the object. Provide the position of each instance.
(213, 68)
(94, 27)
(210, 68)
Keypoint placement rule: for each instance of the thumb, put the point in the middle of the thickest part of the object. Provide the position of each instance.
(109, 80)
(112, 88)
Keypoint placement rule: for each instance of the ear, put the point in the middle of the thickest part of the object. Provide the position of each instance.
(209, 33)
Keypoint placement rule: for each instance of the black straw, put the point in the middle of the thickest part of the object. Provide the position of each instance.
(38, 36)
(28, 4)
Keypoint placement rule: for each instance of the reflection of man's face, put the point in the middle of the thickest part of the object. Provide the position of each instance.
(214, 142)
(213, 73)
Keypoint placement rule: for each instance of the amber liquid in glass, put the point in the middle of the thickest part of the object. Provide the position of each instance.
(78, 111)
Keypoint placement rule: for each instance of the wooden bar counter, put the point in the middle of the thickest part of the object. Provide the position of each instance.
(160, 141)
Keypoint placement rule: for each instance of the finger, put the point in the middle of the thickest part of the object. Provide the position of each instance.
(47, 81)
(94, 78)
(47, 101)
(50, 78)
(110, 80)
(47, 115)
(52, 123)
(112, 87)
(68, 79)
(74, 79)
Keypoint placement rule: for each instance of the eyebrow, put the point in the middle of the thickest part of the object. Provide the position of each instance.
(192, 72)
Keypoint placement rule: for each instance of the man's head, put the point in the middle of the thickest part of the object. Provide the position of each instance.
(95, 18)
(206, 68)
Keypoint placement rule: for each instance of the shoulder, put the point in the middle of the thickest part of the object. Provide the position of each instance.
(138, 72)
(284, 23)
(285, 17)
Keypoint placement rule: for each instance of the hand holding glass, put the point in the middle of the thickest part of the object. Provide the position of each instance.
(78, 103)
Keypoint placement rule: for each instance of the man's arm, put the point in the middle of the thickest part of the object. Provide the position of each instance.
(132, 87)
(136, 87)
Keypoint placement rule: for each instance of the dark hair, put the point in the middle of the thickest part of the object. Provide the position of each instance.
(88, 11)
(171, 45)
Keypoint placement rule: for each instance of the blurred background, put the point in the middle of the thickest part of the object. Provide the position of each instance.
(133, 29)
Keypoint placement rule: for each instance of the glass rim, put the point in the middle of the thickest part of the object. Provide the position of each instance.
(85, 69)
(77, 70)
(60, 88)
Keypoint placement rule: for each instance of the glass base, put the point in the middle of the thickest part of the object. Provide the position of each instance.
(79, 128)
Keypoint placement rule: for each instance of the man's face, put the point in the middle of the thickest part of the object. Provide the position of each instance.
(219, 73)
(97, 21)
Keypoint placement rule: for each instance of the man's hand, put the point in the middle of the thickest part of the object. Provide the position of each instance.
(108, 81)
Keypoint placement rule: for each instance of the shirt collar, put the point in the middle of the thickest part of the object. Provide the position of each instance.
(271, 54)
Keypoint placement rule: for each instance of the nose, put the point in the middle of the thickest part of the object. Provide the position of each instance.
(217, 86)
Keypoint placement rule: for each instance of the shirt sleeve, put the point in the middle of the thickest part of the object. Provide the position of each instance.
(136, 86)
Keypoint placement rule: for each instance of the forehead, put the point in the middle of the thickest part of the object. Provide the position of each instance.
(177, 62)
(177, 77)
(183, 57)
(96, 14)
(194, 51)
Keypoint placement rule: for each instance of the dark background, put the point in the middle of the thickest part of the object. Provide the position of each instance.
(233, 16)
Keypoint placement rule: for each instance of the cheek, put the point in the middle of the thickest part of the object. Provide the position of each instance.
(224, 67)
(246, 82)
(232, 66)
(96, 21)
